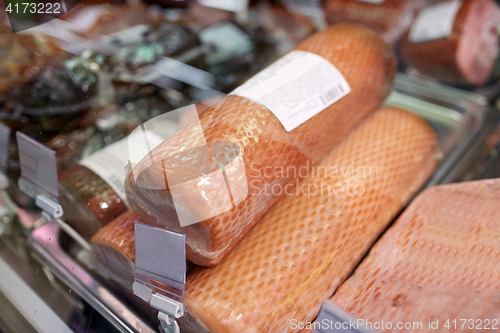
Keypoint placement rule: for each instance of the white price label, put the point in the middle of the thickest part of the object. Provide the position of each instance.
(38, 163)
(434, 22)
(4, 146)
(229, 5)
(109, 163)
(296, 87)
(161, 252)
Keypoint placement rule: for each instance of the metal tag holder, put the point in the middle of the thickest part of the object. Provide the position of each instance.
(333, 319)
(160, 274)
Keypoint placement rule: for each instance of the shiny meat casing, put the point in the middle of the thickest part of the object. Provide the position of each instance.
(89, 203)
(468, 55)
(438, 261)
(312, 239)
(368, 65)
(391, 17)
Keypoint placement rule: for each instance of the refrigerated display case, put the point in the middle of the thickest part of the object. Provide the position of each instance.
(167, 111)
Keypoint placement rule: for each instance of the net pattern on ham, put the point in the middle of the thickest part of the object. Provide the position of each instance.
(308, 243)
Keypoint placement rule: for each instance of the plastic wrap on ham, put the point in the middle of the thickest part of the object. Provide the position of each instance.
(439, 261)
(310, 241)
(114, 248)
(389, 17)
(463, 53)
(249, 137)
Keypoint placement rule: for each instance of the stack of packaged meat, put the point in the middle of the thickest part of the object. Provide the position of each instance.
(179, 199)
(277, 256)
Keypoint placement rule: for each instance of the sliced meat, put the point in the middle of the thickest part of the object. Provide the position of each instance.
(367, 64)
(467, 55)
(391, 18)
(313, 238)
(440, 260)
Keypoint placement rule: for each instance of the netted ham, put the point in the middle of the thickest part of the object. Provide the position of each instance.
(303, 249)
(439, 261)
(391, 18)
(114, 248)
(465, 55)
(252, 136)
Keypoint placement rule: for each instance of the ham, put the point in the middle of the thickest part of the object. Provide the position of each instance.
(89, 202)
(114, 248)
(439, 261)
(467, 55)
(391, 18)
(241, 127)
(310, 241)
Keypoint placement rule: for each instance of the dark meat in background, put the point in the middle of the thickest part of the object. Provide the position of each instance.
(391, 18)
(102, 126)
(22, 57)
(164, 40)
(466, 56)
(66, 85)
(235, 53)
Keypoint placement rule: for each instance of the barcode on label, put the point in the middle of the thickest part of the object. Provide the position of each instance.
(296, 87)
(331, 94)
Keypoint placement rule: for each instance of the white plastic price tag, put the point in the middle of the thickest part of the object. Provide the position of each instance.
(161, 252)
(333, 319)
(38, 164)
(4, 147)
(160, 275)
(39, 175)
